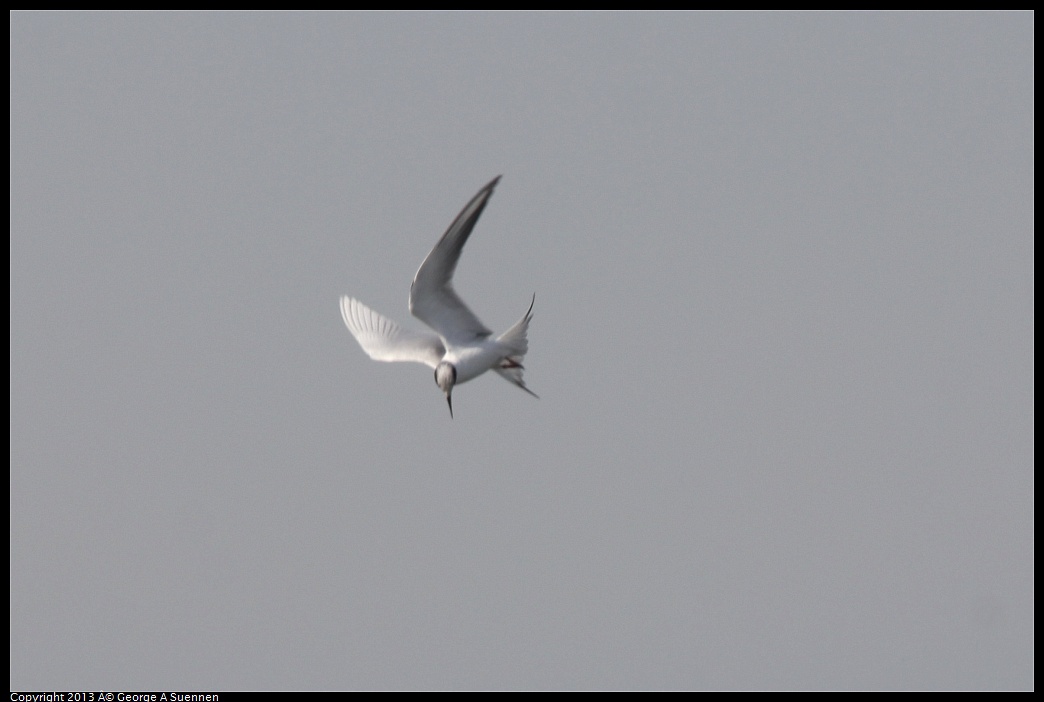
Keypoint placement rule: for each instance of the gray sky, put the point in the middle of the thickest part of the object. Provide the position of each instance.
(783, 340)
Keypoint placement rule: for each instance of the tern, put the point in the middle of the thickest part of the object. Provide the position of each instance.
(462, 347)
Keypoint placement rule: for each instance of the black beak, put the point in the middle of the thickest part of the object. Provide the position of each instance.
(449, 401)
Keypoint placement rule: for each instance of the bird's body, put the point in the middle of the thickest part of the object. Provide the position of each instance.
(462, 347)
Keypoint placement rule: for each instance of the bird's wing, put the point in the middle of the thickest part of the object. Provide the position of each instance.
(384, 340)
(432, 297)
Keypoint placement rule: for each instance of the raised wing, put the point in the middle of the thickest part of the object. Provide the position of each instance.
(432, 297)
(384, 340)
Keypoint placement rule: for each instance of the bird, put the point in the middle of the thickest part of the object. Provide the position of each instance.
(462, 347)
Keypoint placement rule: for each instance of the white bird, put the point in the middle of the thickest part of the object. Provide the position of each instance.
(462, 348)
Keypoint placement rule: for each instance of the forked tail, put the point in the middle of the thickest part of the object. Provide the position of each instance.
(517, 345)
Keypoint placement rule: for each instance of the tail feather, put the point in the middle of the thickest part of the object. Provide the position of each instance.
(518, 345)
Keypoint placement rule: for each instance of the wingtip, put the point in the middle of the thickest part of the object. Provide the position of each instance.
(348, 316)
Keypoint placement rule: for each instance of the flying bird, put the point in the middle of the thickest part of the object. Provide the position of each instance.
(462, 347)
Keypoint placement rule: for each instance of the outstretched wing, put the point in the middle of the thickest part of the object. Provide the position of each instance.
(432, 297)
(384, 340)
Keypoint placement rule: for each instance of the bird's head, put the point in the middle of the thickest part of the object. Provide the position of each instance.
(445, 378)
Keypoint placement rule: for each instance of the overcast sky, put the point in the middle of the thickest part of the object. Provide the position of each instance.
(783, 342)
